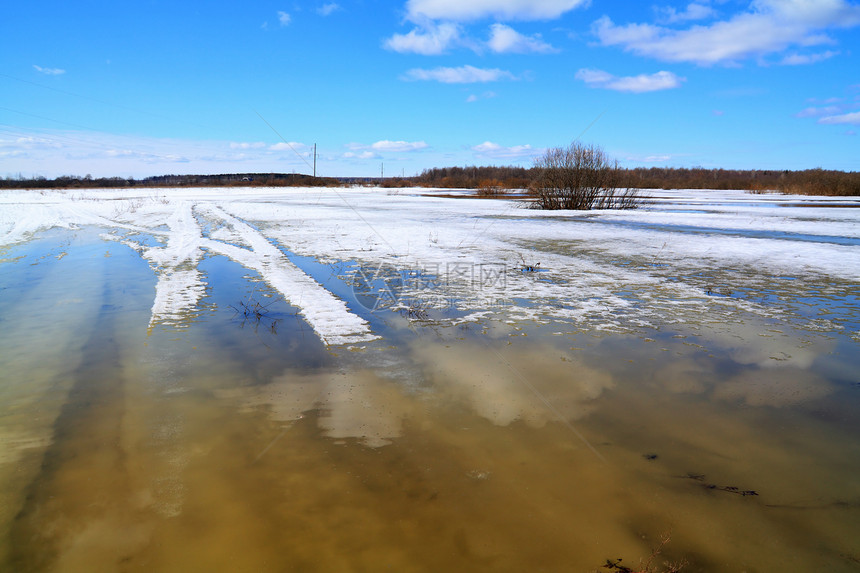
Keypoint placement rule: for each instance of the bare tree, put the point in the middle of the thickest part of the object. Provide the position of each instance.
(580, 177)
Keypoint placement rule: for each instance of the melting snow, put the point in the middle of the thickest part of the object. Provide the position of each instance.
(679, 259)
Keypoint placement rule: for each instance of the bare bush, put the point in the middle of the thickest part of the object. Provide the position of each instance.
(580, 177)
(490, 188)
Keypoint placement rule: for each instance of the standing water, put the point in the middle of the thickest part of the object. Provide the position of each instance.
(252, 380)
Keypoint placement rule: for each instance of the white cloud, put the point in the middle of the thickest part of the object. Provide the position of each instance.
(145, 157)
(121, 153)
(373, 150)
(767, 27)
(52, 153)
(845, 118)
(49, 71)
(830, 100)
(649, 158)
(832, 111)
(466, 10)
(819, 111)
(505, 39)
(284, 18)
(29, 143)
(803, 59)
(247, 145)
(399, 146)
(361, 155)
(477, 97)
(288, 146)
(656, 158)
(328, 9)
(461, 75)
(492, 150)
(634, 84)
(694, 11)
(429, 40)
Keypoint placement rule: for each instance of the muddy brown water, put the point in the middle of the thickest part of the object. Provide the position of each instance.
(230, 445)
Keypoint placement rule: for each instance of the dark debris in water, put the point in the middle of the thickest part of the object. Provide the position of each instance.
(615, 565)
(416, 312)
(648, 565)
(529, 268)
(727, 488)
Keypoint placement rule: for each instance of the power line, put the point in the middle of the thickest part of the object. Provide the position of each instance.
(290, 145)
(103, 102)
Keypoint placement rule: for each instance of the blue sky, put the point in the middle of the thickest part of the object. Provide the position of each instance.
(157, 87)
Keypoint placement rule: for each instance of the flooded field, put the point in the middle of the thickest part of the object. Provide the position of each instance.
(353, 380)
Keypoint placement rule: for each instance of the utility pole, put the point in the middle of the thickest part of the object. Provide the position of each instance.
(315, 159)
(382, 170)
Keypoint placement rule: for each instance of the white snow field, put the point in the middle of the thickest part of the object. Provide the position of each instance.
(683, 256)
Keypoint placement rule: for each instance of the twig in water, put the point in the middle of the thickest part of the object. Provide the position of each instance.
(527, 267)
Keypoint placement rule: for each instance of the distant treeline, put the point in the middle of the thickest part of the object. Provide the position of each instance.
(224, 180)
(808, 182)
(476, 177)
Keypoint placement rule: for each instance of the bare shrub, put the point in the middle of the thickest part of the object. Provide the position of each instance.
(490, 187)
(580, 177)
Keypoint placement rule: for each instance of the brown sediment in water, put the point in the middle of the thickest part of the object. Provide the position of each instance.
(215, 448)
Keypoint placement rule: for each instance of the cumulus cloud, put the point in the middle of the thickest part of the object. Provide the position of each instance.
(650, 158)
(328, 9)
(428, 40)
(284, 18)
(804, 59)
(504, 39)
(399, 146)
(49, 71)
(694, 11)
(634, 84)
(845, 118)
(462, 75)
(360, 155)
(288, 146)
(247, 145)
(52, 153)
(477, 97)
(364, 151)
(767, 27)
(815, 111)
(495, 151)
(29, 143)
(469, 10)
(146, 157)
(832, 111)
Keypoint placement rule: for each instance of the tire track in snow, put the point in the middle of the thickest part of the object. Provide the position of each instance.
(180, 285)
(329, 316)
